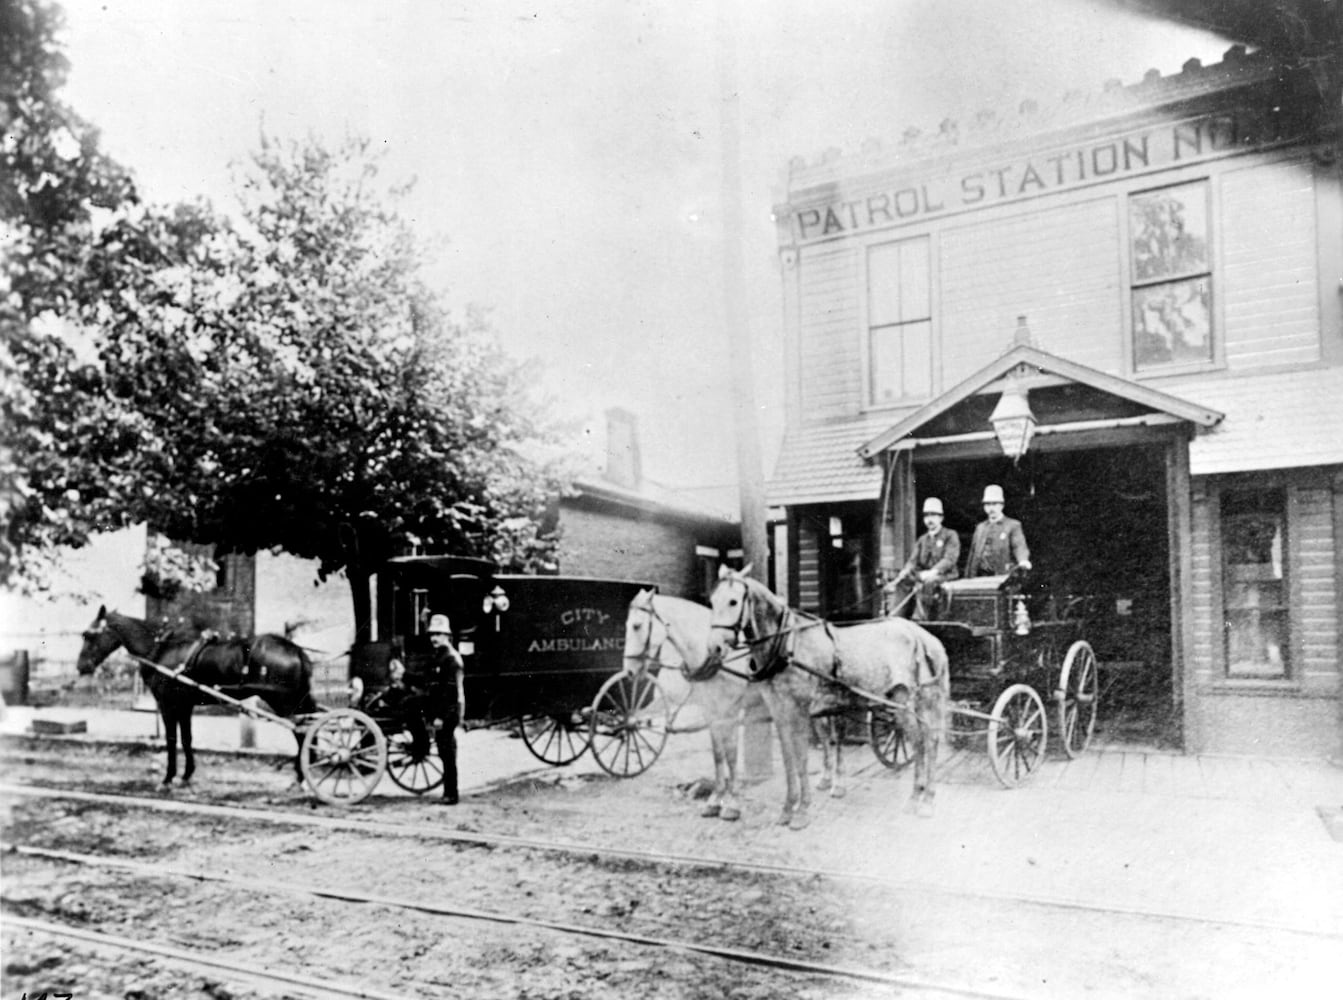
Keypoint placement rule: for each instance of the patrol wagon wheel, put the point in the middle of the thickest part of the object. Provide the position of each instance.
(1079, 698)
(1018, 733)
(888, 739)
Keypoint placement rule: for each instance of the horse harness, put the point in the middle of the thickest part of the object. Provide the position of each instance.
(205, 640)
(782, 643)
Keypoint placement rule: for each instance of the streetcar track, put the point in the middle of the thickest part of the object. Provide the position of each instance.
(205, 962)
(272, 886)
(589, 851)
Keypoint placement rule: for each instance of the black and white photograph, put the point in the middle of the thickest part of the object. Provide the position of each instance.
(719, 500)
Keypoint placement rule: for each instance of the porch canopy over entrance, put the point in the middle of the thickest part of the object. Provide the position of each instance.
(1066, 400)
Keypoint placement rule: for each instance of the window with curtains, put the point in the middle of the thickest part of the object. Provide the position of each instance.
(899, 320)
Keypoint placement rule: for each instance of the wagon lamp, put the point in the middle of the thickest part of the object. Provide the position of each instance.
(1021, 619)
(1013, 422)
(496, 602)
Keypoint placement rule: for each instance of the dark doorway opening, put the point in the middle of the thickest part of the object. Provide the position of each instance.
(1096, 523)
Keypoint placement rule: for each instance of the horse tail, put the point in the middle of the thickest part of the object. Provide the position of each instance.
(934, 666)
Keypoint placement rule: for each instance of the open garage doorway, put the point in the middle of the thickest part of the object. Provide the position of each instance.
(1096, 522)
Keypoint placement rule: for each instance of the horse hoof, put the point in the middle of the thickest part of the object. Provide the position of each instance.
(838, 792)
(731, 814)
(785, 819)
(800, 821)
(823, 784)
(710, 810)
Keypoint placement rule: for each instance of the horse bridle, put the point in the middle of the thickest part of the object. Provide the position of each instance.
(740, 627)
(649, 653)
(743, 635)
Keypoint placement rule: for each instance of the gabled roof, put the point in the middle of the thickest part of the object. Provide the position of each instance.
(1140, 397)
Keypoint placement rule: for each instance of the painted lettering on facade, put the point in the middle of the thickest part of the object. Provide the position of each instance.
(1131, 154)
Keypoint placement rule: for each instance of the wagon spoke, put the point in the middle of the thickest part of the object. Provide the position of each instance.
(630, 719)
(1079, 683)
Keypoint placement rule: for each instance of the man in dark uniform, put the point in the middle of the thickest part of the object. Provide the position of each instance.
(934, 560)
(999, 545)
(439, 700)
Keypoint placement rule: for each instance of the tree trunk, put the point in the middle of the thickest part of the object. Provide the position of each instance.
(363, 604)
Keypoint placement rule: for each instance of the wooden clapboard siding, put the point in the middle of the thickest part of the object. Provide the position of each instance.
(830, 343)
(1317, 614)
(808, 565)
(1269, 251)
(1060, 267)
(1206, 629)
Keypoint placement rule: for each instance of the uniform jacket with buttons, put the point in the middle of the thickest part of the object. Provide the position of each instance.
(997, 548)
(938, 550)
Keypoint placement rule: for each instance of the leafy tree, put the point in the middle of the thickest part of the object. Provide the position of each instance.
(287, 382)
(55, 187)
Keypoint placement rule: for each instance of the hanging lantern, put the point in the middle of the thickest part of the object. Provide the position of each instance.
(1013, 422)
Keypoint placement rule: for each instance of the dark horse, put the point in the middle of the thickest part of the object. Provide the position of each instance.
(269, 667)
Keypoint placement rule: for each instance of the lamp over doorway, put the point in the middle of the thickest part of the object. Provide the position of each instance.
(1013, 422)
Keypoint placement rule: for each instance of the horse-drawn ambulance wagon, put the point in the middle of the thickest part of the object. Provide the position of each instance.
(542, 654)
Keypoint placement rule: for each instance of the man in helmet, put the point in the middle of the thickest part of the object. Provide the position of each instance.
(439, 700)
(999, 545)
(934, 560)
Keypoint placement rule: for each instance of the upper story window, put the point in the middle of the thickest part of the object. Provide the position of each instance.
(899, 321)
(1171, 263)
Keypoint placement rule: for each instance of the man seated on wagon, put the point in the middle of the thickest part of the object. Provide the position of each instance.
(999, 545)
(932, 562)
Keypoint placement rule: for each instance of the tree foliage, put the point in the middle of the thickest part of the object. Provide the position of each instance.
(55, 188)
(284, 380)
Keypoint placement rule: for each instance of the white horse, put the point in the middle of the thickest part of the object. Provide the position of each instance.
(806, 667)
(669, 632)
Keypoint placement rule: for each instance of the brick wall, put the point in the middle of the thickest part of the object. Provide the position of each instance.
(603, 545)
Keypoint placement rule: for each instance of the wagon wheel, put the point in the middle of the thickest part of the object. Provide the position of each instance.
(1079, 697)
(1018, 734)
(630, 718)
(417, 772)
(344, 756)
(888, 739)
(555, 739)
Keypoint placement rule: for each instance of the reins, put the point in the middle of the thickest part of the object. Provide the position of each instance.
(777, 663)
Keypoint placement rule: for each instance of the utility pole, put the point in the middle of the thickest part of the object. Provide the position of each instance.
(749, 467)
(756, 744)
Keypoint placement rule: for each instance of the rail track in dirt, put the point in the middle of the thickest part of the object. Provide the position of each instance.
(552, 885)
(584, 913)
(611, 854)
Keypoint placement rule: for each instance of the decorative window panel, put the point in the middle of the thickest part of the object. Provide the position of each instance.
(1170, 260)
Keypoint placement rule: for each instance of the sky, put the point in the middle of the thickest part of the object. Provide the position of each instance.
(571, 155)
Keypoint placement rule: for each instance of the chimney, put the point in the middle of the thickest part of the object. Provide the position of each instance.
(623, 465)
